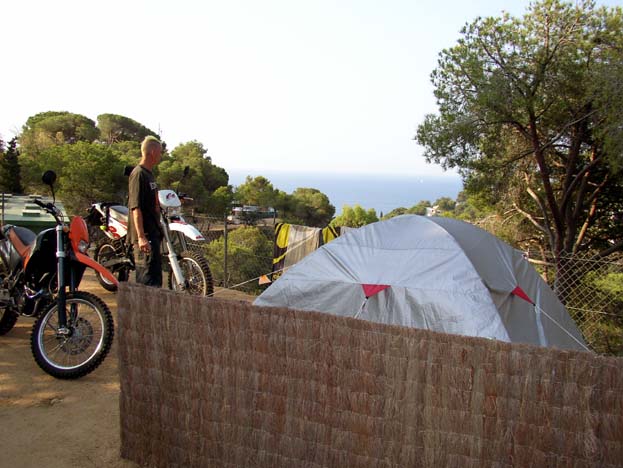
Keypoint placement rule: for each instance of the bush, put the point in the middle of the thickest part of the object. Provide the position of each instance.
(607, 325)
(249, 255)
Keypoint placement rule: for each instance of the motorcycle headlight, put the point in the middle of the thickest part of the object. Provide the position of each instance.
(174, 211)
(83, 246)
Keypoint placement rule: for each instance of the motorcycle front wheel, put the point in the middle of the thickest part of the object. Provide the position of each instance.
(80, 351)
(104, 253)
(196, 272)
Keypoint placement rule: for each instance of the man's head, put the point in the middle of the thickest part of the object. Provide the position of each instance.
(151, 151)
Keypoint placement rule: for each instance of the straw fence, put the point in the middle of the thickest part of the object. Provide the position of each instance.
(208, 382)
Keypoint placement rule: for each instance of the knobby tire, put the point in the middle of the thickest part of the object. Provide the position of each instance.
(192, 261)
(48, 349)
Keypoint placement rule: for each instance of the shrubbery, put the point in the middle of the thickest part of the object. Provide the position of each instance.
(249, 255)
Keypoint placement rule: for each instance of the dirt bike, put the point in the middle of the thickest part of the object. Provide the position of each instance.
(188, 270)
(39, 277)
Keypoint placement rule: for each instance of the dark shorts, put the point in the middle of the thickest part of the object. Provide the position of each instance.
(149, 265)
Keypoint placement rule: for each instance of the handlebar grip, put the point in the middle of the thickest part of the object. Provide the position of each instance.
(49, 207)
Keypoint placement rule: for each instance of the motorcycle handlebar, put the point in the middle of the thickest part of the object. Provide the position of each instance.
(38, 201)
(49, 207)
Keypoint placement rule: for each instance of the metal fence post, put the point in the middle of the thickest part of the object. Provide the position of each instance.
(225, 285)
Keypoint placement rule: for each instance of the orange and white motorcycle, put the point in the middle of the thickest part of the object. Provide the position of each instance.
(39, 277)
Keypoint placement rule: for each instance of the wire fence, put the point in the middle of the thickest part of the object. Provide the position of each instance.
(592, 291)
(240, 257)
(239, 254)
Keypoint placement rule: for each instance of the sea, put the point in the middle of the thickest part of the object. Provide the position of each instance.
(381, 192)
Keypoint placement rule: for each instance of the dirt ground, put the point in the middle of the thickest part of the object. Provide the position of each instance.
(55, 423)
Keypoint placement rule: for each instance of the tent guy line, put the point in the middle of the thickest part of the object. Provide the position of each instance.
(561, 327)
(247, 282)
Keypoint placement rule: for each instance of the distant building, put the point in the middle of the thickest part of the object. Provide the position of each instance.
(433, 210)
(20, 210)
(250, 214)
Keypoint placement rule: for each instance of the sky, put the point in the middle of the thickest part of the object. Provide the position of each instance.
(318, 86)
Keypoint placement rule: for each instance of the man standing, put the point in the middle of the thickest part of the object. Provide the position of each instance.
(144, 229)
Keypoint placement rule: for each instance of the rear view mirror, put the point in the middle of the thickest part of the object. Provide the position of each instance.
(49, 177)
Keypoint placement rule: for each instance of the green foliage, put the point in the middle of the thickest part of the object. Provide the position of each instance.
(609, 339)
(249, 255)
(472, 207)
(47, 129)
(305, 206)
(311, 207)
(129, 152)
(194, 155)
(445, 204)
(203, 178)
(395, 212)
(220, 201)
(115, 128)
(258, 191)
(611, 284)
(10, 172)
(420, 208)
(529, 113)
(45, 144)
(283, 203)
(87, 172)
(355, 217)
(606, 289)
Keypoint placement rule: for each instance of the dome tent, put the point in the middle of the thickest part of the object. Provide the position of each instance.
(433, 273)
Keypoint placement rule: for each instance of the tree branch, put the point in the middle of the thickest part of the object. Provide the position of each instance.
(576, 180)
(530, 218)
(591, 214)
(547, 185)
(614, 248)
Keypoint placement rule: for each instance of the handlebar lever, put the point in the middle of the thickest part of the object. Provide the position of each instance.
(48, 207)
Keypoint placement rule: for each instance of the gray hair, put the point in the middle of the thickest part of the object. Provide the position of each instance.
(149, 143)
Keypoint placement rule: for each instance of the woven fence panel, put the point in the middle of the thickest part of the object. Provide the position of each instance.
(207, 382)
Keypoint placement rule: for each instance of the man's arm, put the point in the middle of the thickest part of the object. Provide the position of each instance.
(143, 243)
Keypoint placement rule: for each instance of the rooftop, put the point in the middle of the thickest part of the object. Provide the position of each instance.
(20, 210)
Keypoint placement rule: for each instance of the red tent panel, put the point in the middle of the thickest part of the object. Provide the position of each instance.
(520, 293)
(371, 289)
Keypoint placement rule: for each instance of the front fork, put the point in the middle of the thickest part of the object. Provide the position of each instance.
(175, 266)
(61, 298)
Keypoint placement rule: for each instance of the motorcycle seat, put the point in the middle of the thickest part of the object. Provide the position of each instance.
(22, 239)
(119, 213)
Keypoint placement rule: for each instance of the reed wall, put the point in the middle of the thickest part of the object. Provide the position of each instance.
(207, 382)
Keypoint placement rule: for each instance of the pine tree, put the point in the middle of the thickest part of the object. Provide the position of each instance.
(10, 173)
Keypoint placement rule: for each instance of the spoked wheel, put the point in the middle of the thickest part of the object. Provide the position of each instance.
(85, 344)
(196, 272)
(103, 254)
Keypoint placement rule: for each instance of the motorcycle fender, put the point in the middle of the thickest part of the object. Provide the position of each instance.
(188, 230)
(88, 261)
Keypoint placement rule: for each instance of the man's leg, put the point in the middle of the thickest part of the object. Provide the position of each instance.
(154, 265)
(149, 265)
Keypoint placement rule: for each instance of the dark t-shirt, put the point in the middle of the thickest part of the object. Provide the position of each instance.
(144, 195)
